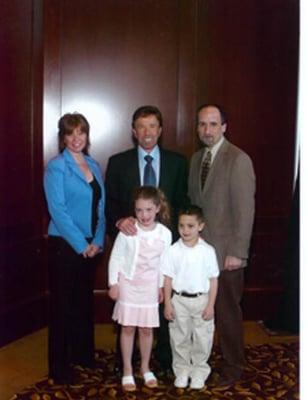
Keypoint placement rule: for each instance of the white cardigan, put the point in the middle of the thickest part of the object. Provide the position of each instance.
(126, 249)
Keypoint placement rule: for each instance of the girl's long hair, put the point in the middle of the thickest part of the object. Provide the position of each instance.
(158, 198)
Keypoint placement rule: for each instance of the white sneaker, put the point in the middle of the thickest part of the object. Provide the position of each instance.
(181, 381)
(197, 383)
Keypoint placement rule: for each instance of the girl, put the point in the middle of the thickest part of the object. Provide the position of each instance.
(136, 281)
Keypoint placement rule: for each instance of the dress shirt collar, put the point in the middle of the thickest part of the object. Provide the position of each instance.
(155, 152)
(214, 149)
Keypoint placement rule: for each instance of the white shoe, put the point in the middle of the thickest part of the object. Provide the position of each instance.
(197, 383)
(181, 381)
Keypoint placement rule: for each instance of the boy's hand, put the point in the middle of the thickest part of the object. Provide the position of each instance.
(169, 312)
(113, 292)
(208, 313)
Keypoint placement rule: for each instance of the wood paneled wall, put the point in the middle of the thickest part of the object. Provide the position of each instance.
(105, 58)
(22, 271)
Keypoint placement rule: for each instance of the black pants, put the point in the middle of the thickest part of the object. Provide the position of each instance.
(71, 321)
(162, 351)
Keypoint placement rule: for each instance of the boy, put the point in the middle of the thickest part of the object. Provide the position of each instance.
(190, 287)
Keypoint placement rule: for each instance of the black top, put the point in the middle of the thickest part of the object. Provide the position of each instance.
(96, 197)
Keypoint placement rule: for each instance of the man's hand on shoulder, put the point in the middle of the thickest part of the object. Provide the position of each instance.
(127, 226)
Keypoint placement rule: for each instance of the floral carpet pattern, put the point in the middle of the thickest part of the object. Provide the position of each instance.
(271, 373)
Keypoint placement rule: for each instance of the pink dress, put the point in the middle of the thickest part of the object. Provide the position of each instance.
(138, 300)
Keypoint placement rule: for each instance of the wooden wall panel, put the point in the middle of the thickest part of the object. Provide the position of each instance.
(128, 58)
(187, 77)
(22, 279)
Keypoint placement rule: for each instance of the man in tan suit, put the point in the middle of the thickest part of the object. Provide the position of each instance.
(222, 183)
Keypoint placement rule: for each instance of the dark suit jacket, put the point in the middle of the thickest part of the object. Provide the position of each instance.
(122, 177)
(227, 200)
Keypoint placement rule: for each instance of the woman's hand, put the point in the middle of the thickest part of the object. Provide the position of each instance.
(91, 251)
(113, 292)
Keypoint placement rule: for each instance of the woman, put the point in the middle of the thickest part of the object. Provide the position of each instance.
(75, 196)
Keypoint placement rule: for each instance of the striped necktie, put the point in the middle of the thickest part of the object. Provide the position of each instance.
(205, 168)
(149, 172)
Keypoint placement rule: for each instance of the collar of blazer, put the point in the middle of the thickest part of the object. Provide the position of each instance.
(74, 166)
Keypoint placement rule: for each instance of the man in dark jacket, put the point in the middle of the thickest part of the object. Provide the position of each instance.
(126, 171)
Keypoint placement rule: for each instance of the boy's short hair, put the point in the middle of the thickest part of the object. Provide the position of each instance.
(192, 210)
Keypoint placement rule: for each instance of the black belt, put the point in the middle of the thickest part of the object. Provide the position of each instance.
(185, 294)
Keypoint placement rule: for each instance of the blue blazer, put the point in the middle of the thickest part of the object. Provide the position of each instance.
(69, 198)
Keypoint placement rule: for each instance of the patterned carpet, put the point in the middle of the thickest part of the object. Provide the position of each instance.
(271, 373)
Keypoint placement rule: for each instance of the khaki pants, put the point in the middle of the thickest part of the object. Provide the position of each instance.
(191, 337)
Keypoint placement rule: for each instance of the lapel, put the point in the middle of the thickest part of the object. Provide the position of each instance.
(164, 175)
(73, 165)
(76, 170)
(197, 174)
(217, 162)
(95, 169)
(132, 170)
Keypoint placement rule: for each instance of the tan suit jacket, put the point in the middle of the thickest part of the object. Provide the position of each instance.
(227, 200)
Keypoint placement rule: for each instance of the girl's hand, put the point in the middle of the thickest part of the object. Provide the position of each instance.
(113, 292)
(169, 312)
(208, 313)
(161, 295)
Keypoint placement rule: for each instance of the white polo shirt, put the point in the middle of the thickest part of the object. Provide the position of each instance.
(190, 267)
